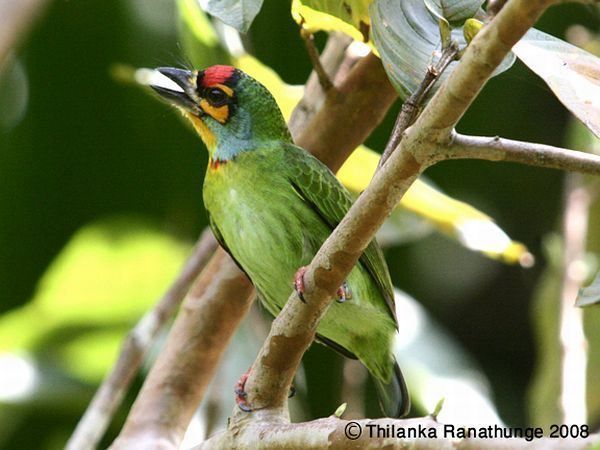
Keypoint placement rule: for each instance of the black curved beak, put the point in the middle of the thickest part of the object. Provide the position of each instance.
(185, 79)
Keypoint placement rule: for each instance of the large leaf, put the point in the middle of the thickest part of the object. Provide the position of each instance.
(237, 13)
(407, 36)
(572, 73)
(590, 295)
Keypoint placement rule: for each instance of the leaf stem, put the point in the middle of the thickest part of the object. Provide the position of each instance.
(313, 54)
(413, 104)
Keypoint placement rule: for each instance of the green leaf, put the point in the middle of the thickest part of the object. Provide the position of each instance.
(407, 37)
(590, 295)
(572, 73)
(339, 412)
(198, 37)
(454, 11)
(237, 13)
(438, 408)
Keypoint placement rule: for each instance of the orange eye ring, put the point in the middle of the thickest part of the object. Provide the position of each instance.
(219, 113)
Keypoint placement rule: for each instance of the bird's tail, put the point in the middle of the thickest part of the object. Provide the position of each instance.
(393, 396)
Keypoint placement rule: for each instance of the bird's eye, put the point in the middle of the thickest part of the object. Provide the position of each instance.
(216, 97)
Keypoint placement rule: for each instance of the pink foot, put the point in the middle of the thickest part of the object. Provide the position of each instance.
(240, 393)
(344, 293)
(299, 283)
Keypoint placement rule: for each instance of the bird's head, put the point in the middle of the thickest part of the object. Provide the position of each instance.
(228, 108)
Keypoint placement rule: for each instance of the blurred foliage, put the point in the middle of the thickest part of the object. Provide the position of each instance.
(77, 148)
(103, 280)
(545, 388)
(571, 72)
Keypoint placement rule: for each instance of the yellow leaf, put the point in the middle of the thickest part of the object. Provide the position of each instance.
(350, 17)
(471, 227)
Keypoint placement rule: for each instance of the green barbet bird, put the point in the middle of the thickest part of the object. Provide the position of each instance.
(272, 205)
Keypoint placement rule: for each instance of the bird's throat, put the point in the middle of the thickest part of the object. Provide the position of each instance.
(208, 137)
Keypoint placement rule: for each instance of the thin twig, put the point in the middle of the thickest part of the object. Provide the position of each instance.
(331, 59)
(411, 107)
(109, 396)
(539, 155)
(315, 60)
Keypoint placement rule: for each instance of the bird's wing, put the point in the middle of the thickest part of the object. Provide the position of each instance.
(221, 241)
(319, 187)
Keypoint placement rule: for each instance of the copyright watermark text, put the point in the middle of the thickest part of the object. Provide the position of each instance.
(354, 430)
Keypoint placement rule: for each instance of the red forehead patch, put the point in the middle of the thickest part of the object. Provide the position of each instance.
(217, 75)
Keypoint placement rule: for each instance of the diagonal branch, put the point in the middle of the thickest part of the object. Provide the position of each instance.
(350, 112)
(294, 329)
(199, 330)
(540, 155)
(483, 55)
(109, 396)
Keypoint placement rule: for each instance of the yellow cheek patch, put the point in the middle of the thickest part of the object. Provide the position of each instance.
(208, 137)
(220, 114)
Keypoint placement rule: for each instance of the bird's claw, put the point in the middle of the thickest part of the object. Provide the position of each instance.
(344, 293)
(240, 393)
(299, 283)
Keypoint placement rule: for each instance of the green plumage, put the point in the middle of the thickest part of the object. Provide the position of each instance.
(271, 206)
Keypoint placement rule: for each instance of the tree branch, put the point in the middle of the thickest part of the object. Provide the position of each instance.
(334, 433)
(540, 155)
(15, 20)
(313, 54)
(331, 59)
(412, 105)
(482, 56)
(208, 318)
(350, 112)
(294, 329)
(109, 396)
